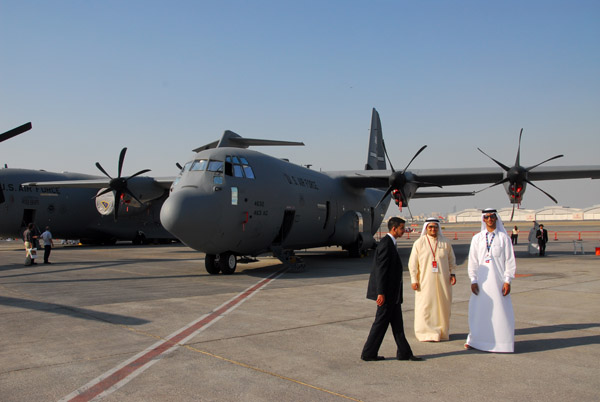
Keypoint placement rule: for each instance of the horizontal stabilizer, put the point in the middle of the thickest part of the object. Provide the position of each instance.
(233, 140)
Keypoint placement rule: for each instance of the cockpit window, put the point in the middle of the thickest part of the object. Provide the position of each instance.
(238, 167)
(249, 172)
(237, 171)
(186, 167)
(215, 166)
(198, 165)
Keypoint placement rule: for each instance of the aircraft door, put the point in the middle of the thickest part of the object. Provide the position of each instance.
(286, 226)
(28, 217)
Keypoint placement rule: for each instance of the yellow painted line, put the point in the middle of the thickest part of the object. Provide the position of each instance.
(271, 373)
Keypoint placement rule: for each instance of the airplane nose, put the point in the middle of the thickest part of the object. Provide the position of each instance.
(188, 215)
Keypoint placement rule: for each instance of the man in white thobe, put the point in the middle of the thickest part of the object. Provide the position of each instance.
(491, 268)
(431, 265)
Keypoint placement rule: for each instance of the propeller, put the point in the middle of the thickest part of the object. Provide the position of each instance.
(119, 184)
(398, 180)
(7, 135)
(15, 131)
(516, 176)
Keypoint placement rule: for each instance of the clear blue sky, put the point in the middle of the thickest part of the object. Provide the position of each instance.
(164, 77)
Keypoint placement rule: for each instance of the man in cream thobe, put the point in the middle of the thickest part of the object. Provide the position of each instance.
(431, 265)
(491, 268)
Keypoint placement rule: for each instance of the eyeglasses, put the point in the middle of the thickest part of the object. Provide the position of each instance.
(489, 217)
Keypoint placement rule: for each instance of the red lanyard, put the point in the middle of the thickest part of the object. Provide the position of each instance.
(431, 248)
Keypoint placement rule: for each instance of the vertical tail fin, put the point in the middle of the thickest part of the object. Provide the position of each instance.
(376, 156)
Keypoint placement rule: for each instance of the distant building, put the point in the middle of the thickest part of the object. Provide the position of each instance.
(552, 213)
(592, 213)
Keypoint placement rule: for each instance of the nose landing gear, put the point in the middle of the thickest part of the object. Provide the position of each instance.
(225, 263)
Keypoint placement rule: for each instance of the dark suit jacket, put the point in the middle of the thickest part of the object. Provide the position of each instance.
(542, 236)
(386, 274)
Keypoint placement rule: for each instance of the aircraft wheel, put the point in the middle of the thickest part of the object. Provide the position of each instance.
(211, 266)
(227, 263)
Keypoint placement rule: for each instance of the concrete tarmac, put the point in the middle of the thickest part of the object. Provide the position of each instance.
(96, 309)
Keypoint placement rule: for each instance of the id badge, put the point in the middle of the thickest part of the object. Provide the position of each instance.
(434, 266)
(488, 259)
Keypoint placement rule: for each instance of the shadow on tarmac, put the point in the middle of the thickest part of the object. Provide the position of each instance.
(70, 311)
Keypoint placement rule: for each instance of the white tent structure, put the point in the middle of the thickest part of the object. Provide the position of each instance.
(592, 213)
(559, 214)
(468, 215)
(521, 215)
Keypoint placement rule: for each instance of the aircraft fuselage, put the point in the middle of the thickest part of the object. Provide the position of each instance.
(244, 202)
(70, 212)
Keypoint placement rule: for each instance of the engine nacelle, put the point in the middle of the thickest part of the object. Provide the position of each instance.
(105, 204)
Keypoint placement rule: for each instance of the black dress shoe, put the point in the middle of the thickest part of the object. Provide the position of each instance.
(372, 359)
(412, 358)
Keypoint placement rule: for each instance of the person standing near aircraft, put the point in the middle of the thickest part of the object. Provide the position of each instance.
(491, 268)
(29, 240)
(48, 244)
(385, 287)
(515, 235)
(542, 238)
(532, 246)
(431, 265)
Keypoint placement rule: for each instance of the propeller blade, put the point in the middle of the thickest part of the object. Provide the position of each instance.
(547, 160)
(502, 165)
(117, 204)
(549, 196)
(387, 192)
(99, 166)
(128, 192)
(15, 131)
(493, 185)
(513, 211)
(386, 154)
(413, 158)
(106, 190)
(518, 161)
(138, 173)
(121, 159)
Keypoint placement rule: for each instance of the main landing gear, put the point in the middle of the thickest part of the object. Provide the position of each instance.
(224, 263)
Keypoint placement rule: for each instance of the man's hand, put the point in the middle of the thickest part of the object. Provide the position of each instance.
(380, 300)
(506, 288)
(415, 286)
(475, 289)
(452, 280)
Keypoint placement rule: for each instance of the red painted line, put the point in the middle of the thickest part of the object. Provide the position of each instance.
(112, 380)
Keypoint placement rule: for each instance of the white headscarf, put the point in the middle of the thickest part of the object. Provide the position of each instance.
(430, 221)
(499, 224)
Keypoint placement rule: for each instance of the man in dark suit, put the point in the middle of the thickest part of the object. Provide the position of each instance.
(385, 287)
(542, 237)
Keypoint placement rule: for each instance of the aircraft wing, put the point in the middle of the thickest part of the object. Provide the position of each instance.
(163, 182)
(462, 176)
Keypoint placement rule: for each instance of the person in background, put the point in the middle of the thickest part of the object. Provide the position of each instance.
(48, 244)
(514, 235)
(542, 238)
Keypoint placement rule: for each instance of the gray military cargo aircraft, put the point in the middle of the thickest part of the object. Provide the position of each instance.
(70, 211)
(233, 203)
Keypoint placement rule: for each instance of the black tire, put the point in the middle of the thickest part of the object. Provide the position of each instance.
(227, 263)
(211, 266)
